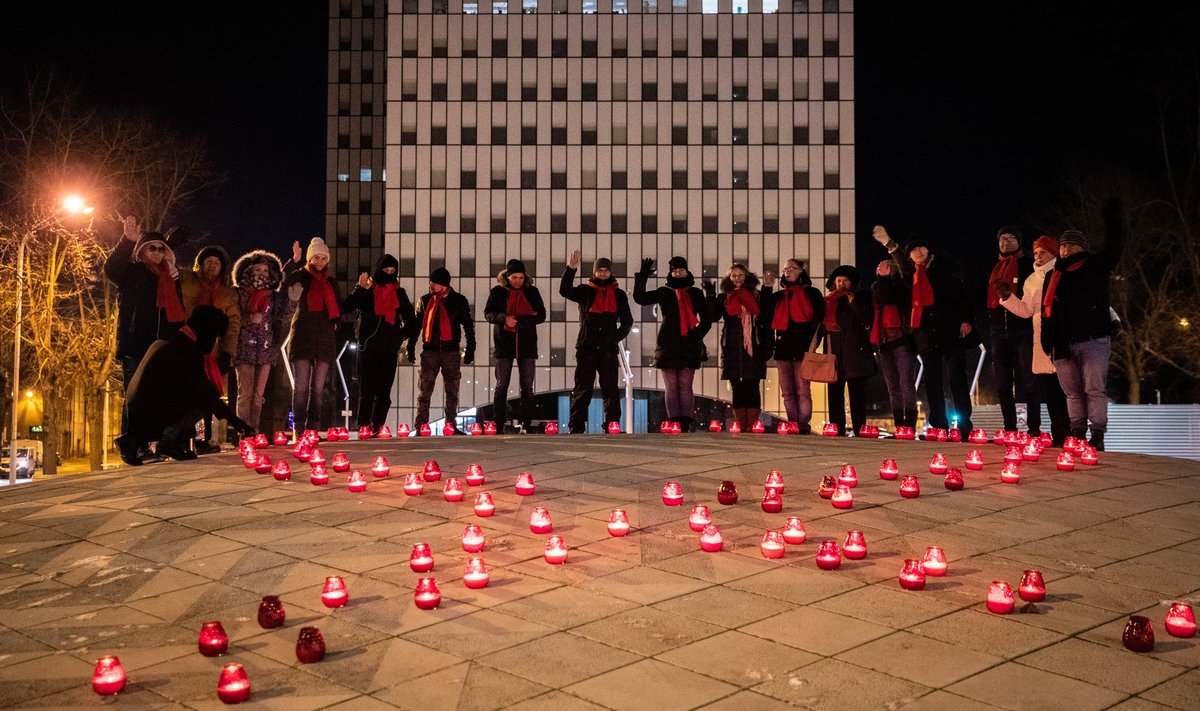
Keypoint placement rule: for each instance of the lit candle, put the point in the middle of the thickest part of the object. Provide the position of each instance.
(842, 497)
(1032, 451)
(556, 550)
(735, 428)
(316, 458)
(905, 432)
(427, 596)
(310, 645)
(954, 435)
(699, 518)
(1010, 473)
(341, 463)
(213, 641)
(281, 471)
(472, 538)
(793, 428)
(711, 539)
(474, 475)
(250, 459)
(855, 545)
(334, 594)
(665, 427)
(475, 574)
(1139, 634)
(356, 482)
(1001, 437)
(676, 428)
(476, 429)
(781, 428)
(1066, 461)
(614, 428)
(484, 506)
(774, 481)
(539, 520)
(1070, 443)
(672, 493)
(331, 434)
(829, 430)
(912, 575)
(364, 432)
(938, 465)
(318, 475)
(954, 480)
(109, 676)
(727, 494)
(978, 436)
(270, 612)
(974, 460)
(1012, 455)
(524, 485)
(263, 464)
(413, 484)
(618, 523)
(302, 451)
(281, 438)
(1000, 598)
(551, 428)
(233, 686)
(380, 467)
(714, 426)
(849, 477)
(1090, 456)
(489, 428)
(431, 470)
(425, 430)
(1032, 587)
(1181, 621)
(384, 432)
(772, 502)
(889, 469)
(773, 545)
(828, 556)
(934, 561)
(793, 531)
(448, 429)
(910, 488)
(828, 484)
(421, 558)
(403, 430)
(452, 491)
(310, 437)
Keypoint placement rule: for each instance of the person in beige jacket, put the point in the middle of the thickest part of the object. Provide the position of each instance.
(1045, 251)
(208, 283)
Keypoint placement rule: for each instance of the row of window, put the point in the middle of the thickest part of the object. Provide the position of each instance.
(591, 7)
(588, 224)
(619, 180)
(590, 91)
(589, 48)
(680, 136)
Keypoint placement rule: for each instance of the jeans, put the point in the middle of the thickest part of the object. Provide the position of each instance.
(449, 364)
(376, 373)
(797, 394)
(309, 396)
(1084, 380)
(858, 403)
(525, 371)
(680, 400)
(1012, 364)
(941, 364)
(252, 387)
(898, 363)
(589, 363)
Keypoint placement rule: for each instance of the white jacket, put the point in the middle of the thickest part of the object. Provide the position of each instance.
(1031, 306)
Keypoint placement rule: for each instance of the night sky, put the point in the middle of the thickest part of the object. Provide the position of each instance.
(968, 114)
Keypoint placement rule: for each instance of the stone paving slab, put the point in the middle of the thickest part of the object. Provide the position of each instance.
(130, 562)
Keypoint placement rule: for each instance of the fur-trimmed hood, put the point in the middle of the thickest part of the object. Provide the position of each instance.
(750, 283)
(502, 279)
(242, 266)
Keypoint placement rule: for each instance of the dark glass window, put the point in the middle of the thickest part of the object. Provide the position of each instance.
(588, 137)
(679, 179)
(770, 225)
(708, 180)
(437, 135)
(587, 91)
(407, 138)
(469, 135)
(741, 135)
(558, 180)
(499, 135)
(679, 226)
(708, 47)
(829, 91)
(741, 179)
(466, 224)
(529, 48)
(529, 179)
(590, 48)
(408, 223)
(741, 47)
(650, 223)
(679, 135)
(343, 207)
(366, 141)
(529, 135)
(800, 179)
(500, 47)
(741, 92)
(587, 223)
(709, 136)
(498, 224)
(620, 180)
(831, 136)
(649, 179)
(800, 135)
(500, 91)
(528, 223)
(440, 50)
(833, 223)
(468, 179)
(800, 224)
(558, 93)
(770, 179)
(620, 223)
(367, 75)
(649, 91)
(437, 224)
(437, 91)
(558, 223)
(708, 224)
(528, 93)
(832, 181)
(740, 226)
(800, 47)
(679, 91)
(558, 135)
(770, 93)
(770, 49)
(829, 48)
(558, 48)
(408, 93)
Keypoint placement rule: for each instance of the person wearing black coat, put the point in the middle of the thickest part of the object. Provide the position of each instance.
(174, 386)
(514, 308)
(604, 321)
(891, 335)
(1012, 336)
(386, 319)
(313, 345)
(443, 318)
(793, 315)
(679, 349)
(847, 324)
(745, 340)
(940, 317)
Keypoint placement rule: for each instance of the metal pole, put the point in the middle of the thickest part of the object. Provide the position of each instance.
(627, 372)
(16, 375)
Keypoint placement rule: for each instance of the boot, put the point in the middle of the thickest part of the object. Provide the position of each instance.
(910, 417)
(752, 414)
(129, 450)
(739, 416)
(1097, 440)
(898, 418)
(685, 424)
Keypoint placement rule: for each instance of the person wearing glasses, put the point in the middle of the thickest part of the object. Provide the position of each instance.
(793, 312)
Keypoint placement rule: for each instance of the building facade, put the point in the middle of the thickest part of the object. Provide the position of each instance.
(718, 130)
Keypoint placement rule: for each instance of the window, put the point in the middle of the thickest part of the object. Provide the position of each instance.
(800, 224)
(620, 180)
(587, 223)
(741, 179)
(741, 92)
(770, 225)
(708, 180)
(528, 179)
(499, 135)
(558, 355)
(620, 223)
(679, 91)
(679, 46)
(831, 136)
(343, 140)
(558, 135)
(528, 93)
(408, 90)
(679, 135)
(343, 177)
(650, 223)
(558, 47)
(588, 178)
(408, 223)
(528, 222)
(800, 47)
(620, 90)
(469, 136)
(467, 179)
(769, 49)
(558, 93)
(740, 224)
(829, 91)
(800, 135)
(470, 91)
(770, 135)
(769, 7)
(708, 47)
(649, 179)
(649, 135)
(466, 263)
(499, 8)
(437, 224)
(678, 225)
(588, 137)
(470, 46)
(344, 75)
(829, 48)
(740, 136)
(438, 91)
(679, 179)
(709, 136)
(439, 47)
(466, 224)
(620, 45)
(529, 7)
(587, 91)
(770, 179)
(500, 47)
(800, 179)
(437, 135)
(366, 141)
(364, 175)
(498, 225)
(708, 224)
(770, 91)
(366, 108)
(558, 307)
(800, 89)
(619, 7)
(529, 136)
(620, 135)
(833, 223)
(590, 48)
(529, 48)
(558, 223)
(367, 75)
(558, 180)
(500, 91)
(469, 8)
(741, 47)
(650, 46)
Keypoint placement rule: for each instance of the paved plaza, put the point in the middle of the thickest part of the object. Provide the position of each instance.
(131, 562)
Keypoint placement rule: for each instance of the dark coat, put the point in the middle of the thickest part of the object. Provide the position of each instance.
(893, 291)
(1080, 311)
(1001, 319)
(374, 332)
(674, 351)
(599, 331)
(792, 344)
(851, 343)
(314, 333)
(461, 323)
(941, 321)
(139, 320)
(736, 363)
(522, 343)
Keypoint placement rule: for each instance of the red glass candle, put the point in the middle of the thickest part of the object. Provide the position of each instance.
(864, 431)
(828, 484)
(310, 645)
(1012, 455)
(489, 428)
(213, 641)
(421, 558)
(364, 432)
(978, 436)
(425, 430)
(1070, 443)
(714, 426)
(380, 467)
(384, 432)
(524, 485)
(1139, 634)
(427, 596)
(954, 480)
(614, 428)
(281, 438)
(271, 613)
(1181, 621)
(727, 494)
(318, 475)
(476, 429)
(475, 573)
(281, 471)
(431, 471)
(1001, 437)
(556, 550)
(302, 451)
(906, 432)
(676, 428)
(773, 545)
(912, 575)
(413, 484)
(889, 469)
(781, 428)
(672, 493)
(974, 460)
(1032, 587)
(109, 676)
(849, 477)
(332, 435)
(1066, 461)
(245, 446)
(539, 520)
(954, 435)
(1031, 452)
(772, 502)
(842, 497)
(316, 458)
(735, 428)
(828, 556)
(341, 463)
(793, 531)
(829, 430)
(855, 545)
(551, 428)
(474, 475)
(774, 481)
(263, 464)
(938, 464)
(452, 491)
(448, 429)
(618, 523)
(910, 488)
(1090, 456)
(334, 594)
(473, 540)
(250, 459)
(310, 437)
(1010, 473)
(934, 561)
(665, 427)
(233, 686)
(403, 430)
(711, 539)
(484, 506)
(699, 518)
(1045, 439)
(356, 482)
(1000, 598)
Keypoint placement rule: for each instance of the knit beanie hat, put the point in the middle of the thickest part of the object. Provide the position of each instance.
(677, 262)
(316, 246)
(602, 263)
(1073, 237)
(441, 275)
(515, 266)
(913, 244)
(1009, 230)
(1047, 243)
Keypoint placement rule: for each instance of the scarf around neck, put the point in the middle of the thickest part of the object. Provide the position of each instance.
(795, 307)
(165, 295)
(922, 294)
(606, 296)
(320, 293)
(436, 310)
(687, 314)
(387, 302)
(212, 371)
(517, 306)
(1005, 271)
(831, 307)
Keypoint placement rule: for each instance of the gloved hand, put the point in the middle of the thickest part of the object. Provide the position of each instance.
(880, 234)
(224, 362)
(1003, 288)
(709, 287)
(647, 266)
(242, 427)
(469, 356)
(295, 291)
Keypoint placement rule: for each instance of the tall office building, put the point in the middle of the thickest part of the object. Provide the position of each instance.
(720, 130)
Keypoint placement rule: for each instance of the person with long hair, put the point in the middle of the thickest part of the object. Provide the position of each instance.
(313, 346)
(794, 314)
(257, 276)
(847, 323)
(745, 341)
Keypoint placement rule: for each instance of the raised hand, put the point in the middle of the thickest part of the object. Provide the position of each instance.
(768, 278)
(130, 229)
(297, 252)
(573, 260)
(364, 280)
(295, 291)
(880, 234)
(647, 266)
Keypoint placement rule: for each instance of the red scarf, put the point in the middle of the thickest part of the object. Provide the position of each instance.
(922, 294)
(386, 302)
(167, 298)
(320, 293)
(436, 309)
(796, 308)
(687, 315)
(517, 305)
(831, 307)
(886, 322)
(1005, 271)
(738, 299)
(257, 300)
(211, 370)
(1048, 298)
(208, 292)
(606, 298)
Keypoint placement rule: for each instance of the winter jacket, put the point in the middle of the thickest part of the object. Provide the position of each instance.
(374, 332)
(599, 331)
(461, 323)
(791, 344)
(942, 321)
(225, 298)
(1029, 305)
(140, 321)
(736, 363)
(892, 291)
(313, 333)
(1079, 309)
(521, 343)
(256, 337)
(673, 350)
(851, 342)
(1002, 320)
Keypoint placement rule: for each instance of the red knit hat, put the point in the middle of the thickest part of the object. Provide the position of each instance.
(1047, 243)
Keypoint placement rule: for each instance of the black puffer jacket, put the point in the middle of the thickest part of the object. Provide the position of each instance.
(736, 363)
(792, 343)
(140, 321)
(673, 350)
(600, 331)
(941, 321)
(851, 342)
(461, 324)
(521, 343)
(374, 330)
(314, 333)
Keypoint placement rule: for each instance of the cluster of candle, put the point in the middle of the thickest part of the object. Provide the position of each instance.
(669, 427)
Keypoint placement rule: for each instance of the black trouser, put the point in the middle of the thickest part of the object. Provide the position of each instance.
(1056, 405)
(1012, 362)
(376, 374)
(525, 371)
(590, 362)
(942, 364)
(177, 429)
(746, 392)
(858, 403)
(129, 366)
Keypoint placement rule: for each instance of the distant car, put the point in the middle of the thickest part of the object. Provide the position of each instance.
(29, 458)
